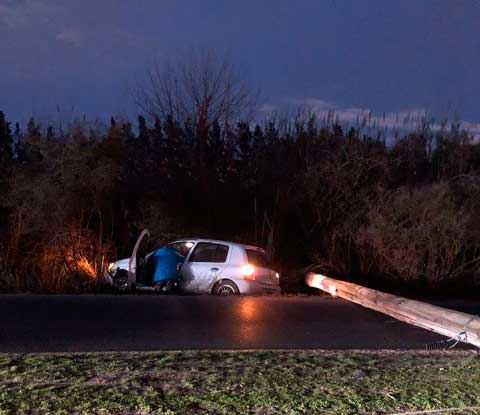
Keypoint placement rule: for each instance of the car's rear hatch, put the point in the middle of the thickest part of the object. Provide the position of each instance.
(266, 276)
(263, 272)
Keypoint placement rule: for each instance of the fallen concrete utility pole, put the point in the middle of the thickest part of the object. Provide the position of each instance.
(453, 324)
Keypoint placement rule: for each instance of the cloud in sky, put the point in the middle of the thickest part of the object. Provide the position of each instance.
(47, 25)
(366, 119)
(17, 13)
(70, 37)
(74, 53)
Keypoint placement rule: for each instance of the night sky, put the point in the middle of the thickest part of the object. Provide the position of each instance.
(397, 56)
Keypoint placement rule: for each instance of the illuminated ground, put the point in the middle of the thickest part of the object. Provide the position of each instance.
(239, 382)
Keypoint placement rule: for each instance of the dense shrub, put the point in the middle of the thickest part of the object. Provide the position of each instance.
(418, 233)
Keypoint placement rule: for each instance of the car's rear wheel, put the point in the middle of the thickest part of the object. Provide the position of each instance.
(225, 288)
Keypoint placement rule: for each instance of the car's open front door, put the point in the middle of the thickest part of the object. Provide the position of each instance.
(137, 259)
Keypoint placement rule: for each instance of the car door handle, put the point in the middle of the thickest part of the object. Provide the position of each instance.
(214, 269)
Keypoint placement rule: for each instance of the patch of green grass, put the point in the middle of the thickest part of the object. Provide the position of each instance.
(297, 382)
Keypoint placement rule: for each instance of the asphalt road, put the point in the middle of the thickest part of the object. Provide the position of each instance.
(31, 323)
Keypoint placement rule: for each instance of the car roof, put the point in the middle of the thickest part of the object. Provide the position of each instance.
(218, 241)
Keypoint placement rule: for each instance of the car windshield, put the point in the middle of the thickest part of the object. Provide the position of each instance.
(182, 248)
(257, 258)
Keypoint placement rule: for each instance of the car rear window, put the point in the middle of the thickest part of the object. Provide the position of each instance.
(257, 258)
(209, 252)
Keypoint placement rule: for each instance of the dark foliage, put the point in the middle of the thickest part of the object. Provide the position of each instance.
(406, 214)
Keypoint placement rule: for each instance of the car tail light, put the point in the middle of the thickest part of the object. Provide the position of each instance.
(249, 272)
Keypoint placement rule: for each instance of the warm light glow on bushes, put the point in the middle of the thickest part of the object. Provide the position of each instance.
(84, 265)
(73, 260)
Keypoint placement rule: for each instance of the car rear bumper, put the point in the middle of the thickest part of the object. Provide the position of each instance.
(253, 287)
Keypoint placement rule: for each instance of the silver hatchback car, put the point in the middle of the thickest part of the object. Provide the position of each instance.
(212, 267)
(225, 268)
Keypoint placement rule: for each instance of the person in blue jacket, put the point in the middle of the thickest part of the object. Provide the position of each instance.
(166, 264)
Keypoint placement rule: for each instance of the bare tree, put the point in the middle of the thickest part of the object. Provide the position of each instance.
(200, 87)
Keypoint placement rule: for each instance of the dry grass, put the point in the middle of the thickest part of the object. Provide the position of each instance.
(296, 382)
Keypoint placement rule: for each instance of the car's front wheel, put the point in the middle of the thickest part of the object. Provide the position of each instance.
(225, 288)
(120, 281)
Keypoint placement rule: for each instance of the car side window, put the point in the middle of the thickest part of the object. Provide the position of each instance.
(209, 252)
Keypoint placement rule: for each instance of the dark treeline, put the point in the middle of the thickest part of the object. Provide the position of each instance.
(73, 199)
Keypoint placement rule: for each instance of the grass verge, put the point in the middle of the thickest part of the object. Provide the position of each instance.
(296, 382)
